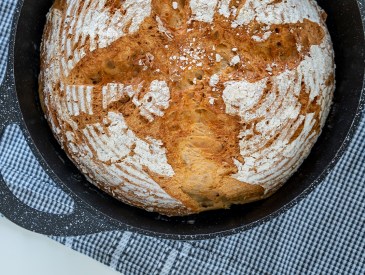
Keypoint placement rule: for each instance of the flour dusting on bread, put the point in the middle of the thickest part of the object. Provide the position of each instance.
(182, 106)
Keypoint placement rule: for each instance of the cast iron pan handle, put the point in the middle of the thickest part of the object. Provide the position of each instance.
(83, 220)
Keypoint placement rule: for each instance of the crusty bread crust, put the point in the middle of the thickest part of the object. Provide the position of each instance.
(186, 106)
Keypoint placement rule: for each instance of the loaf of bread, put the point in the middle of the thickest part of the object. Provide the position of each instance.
(179, 107)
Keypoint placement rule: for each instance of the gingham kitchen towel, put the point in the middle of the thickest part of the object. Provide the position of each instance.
(324, 234)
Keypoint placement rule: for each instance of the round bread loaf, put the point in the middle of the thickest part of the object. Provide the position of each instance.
(185, 106)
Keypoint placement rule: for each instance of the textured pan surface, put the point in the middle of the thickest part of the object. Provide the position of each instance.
(343, 119)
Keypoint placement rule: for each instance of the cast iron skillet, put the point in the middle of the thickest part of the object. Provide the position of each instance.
(95, 211)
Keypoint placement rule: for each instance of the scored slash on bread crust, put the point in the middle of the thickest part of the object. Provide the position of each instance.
(188, 106)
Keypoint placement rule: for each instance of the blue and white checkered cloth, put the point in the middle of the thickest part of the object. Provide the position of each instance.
(324, 234)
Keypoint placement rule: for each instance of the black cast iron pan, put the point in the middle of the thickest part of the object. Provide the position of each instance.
(95, 211)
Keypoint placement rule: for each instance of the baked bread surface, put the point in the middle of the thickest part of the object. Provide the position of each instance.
(185, 106)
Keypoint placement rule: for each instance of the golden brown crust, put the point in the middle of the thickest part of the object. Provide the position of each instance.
(203, 141)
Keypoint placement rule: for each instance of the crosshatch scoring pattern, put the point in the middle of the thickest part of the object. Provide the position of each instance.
(324, 234)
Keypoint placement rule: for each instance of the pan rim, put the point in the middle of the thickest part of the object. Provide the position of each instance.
(340, 152)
